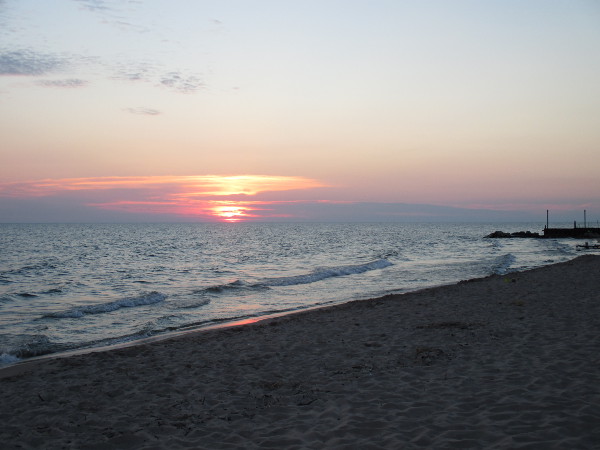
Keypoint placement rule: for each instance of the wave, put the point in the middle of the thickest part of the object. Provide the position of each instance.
(294, 280)
(12, 296)
(7, 358)
(502, 264)
(149, 298)
(327, 272)
(235, 286)
(38, 267)
(20, 346)
(194, 304)
(559, 247)
(53, 291)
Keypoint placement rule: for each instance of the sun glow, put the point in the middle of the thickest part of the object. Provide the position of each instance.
(206, 197)
(230, 213)
(185, 186)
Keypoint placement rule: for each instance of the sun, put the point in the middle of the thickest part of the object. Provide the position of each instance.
(230, 213)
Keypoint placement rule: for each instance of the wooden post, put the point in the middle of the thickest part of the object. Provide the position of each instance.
(547, 219)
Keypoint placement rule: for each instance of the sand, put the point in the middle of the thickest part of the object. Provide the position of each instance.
(501, 362)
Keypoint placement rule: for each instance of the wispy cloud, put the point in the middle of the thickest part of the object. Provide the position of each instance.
(134, 71)
(181, 82)
(30, 63)
(95, 5)
(191, 185)
(67, 83)
(18, 59)
(159, 76)
(215, 198)
(143, 111)
(116, 13)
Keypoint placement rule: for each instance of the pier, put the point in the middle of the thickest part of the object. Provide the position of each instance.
(575, 232)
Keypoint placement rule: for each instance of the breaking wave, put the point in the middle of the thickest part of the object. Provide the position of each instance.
(324, 273)
(149, 298)
(311, 277)
(16, 347)
(502, 264)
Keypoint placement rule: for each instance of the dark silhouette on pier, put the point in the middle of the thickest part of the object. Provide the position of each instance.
(576, 232)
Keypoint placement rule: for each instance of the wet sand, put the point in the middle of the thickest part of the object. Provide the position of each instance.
(501, 362)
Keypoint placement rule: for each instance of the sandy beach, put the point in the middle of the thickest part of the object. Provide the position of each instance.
(502, 362)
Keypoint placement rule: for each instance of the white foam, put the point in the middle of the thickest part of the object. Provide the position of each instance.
(128, 302)
(502, 264)
(324, 273)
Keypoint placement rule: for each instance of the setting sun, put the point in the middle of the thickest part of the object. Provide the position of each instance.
(206, 197)
(230, 213)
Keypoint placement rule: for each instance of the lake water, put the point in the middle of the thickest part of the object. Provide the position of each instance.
(73, 286)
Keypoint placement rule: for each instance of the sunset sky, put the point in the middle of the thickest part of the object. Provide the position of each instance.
(237, 110)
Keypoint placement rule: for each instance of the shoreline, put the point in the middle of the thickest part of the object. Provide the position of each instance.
(502, 361)
(21, 365)
(5, 370)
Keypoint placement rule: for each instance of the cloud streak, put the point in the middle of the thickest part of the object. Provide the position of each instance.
(218, 198)
(181, 82)
(95, 5)
(209, 197)
(113, 13)
(142, 111)
(17, 58)
(66, 83)
(29, 63)
(154, 74)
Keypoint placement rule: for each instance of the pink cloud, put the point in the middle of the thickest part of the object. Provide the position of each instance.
(203, 196)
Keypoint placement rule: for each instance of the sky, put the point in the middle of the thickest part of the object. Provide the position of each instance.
(312, 110)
